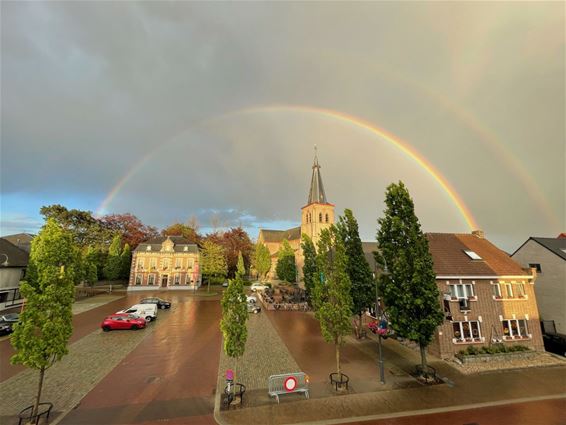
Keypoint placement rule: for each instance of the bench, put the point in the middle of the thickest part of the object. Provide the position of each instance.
(288, 383)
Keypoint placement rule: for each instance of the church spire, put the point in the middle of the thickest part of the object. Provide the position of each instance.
(316, 193)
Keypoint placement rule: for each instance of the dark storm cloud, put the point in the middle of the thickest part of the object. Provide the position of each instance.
(89, 88)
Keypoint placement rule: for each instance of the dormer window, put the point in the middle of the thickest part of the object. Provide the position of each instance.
(186, 248)
(148, 248)
(472, 255)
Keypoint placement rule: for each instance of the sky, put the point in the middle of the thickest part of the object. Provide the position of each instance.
(169, 110)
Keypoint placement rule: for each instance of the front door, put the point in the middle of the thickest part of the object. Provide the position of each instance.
(164, 280)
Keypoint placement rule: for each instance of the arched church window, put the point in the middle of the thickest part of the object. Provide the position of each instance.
(327, 218)
(320, 217)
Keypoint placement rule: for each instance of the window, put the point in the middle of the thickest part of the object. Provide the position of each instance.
(326, 218)
(141, 263)
(148, 248)
(177, 278)
(515, 328)
(320, 217)
(191, 263)
(472, 255)
(178, 263)
(496, 290)
(466, 331)
(462, 290)
(138, 279)
(509, 290)
(535, 266)
(151, 279)
(520, 289)
(165, 263)
(186, 248)
(153, 263)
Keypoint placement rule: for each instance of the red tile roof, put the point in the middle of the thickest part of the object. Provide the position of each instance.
(449, 258)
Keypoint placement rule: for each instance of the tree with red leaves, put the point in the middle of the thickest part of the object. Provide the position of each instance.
(234, 241)
(132, 230)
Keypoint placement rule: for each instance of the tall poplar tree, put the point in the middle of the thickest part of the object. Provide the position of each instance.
(261, 260)
(357, 267)
(41, 336)
(125, 262)
(409, 290)
(286, 269)
(332, 293)
(213, 261)
(310, 268)
(235, 314)
(113, 267)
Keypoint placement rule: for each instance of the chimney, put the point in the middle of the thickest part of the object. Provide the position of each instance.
(478, 234)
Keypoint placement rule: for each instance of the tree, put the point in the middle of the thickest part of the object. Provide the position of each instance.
(235, 314)
(332, 293)
(85, 229)
(234, 241)
(286, 268)
(125, 262)
(213, 262)
(90, 266)
(129, 227)
(357, 267)
(113, 267)
(184, 230)
(261, 260)
(310, 268)
(409, 290)
(40, 338)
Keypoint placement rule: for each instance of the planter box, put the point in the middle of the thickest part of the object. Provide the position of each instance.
(484, 358)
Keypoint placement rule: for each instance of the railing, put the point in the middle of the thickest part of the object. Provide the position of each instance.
(43, 410)
(288, 383)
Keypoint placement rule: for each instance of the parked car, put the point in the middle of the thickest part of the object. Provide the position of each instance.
(122, 321)
(5, 328)
(225, 284)
(10, 318)
(147, 311)
(258, 286)
(253, 308)
(250, 299)
(161, 303)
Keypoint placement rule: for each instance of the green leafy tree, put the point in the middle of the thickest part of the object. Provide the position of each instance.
(286, 269)
(409, 290)
(90, 266)
(310, 268)
(126, 262)
(185, 230)
(235, 314)
(261, 260)
(40, 338)
(357, 267)
(332, 293)
(113, 267)
(213, 261)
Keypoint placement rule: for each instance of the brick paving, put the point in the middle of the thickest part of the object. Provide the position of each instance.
(93, 302)
(265, 355)
(67, 382)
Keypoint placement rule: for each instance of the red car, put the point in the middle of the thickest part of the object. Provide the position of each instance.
(122, 321)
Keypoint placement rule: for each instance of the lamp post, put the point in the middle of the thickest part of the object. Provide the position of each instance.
(377, 312)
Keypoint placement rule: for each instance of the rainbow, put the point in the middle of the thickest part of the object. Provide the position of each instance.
(341, 116)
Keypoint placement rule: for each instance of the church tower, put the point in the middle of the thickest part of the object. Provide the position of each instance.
(318, 214)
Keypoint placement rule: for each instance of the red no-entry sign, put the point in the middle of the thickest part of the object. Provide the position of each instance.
(290, 383)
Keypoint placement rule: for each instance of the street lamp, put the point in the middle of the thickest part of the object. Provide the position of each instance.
(384, 272)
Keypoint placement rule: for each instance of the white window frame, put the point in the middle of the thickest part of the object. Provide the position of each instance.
(516, 293)
(139, 280)
(177, 279)
(471, 339)
(178, 262)
(466, 289)
(152, 263)
(512, 335)
(151, 279)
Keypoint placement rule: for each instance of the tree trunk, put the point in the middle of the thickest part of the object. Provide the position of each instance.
(208, 284)
(360, 327)
(338, 368)
(423, 357)
(37, 399)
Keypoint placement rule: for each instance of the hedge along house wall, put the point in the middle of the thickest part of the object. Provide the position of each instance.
(485, 358)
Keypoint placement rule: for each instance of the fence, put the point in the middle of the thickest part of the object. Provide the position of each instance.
(288, 383)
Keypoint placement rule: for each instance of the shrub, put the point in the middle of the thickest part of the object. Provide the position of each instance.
(492, 349)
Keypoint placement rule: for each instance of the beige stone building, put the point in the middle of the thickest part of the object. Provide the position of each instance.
(165, 263)
(548, 257)
(316, 215)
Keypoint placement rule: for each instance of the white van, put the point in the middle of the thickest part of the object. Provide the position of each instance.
(147, 311)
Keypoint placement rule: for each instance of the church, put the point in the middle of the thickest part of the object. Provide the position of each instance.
(316, 215)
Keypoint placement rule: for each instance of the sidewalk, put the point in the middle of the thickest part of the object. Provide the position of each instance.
(96, 301)
(400, 395)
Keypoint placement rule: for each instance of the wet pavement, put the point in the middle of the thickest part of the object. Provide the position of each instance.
(168, 378)
(545, 412)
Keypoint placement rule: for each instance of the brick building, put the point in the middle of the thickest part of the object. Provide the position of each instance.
(170, 262)
(486, 296)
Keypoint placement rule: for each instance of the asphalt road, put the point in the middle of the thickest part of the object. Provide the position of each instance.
(545, 412)
(169, 378)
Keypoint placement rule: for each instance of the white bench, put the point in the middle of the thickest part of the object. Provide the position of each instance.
(288, 383)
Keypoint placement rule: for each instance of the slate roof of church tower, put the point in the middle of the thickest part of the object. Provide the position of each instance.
(316, 192)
